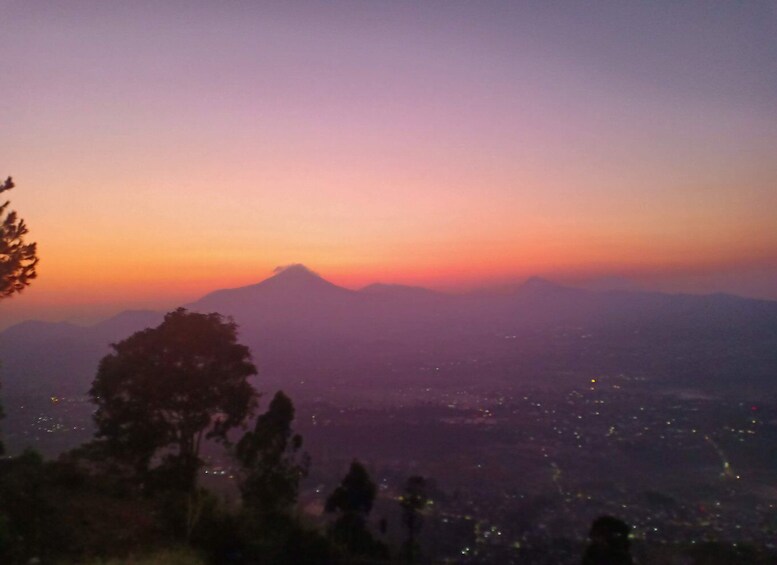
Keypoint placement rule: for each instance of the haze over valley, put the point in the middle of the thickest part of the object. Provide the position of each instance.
(302, 328)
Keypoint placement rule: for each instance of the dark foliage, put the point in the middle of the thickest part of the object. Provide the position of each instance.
(609, 543)
(353, 501)
(356, 493)
(58, 512)
(413, 501)
(271, 460)
(17, 258)
(282, 541)
(163, 390)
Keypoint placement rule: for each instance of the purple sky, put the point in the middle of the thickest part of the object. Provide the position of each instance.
(165, 149)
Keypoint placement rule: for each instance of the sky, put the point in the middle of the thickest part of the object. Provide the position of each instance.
(162, 150)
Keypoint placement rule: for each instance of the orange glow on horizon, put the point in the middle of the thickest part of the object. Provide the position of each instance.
(160, 157)
(156, 279)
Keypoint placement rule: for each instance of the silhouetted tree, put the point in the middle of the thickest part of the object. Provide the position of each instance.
(272, 463)
(413, 500)
(608, 543)
(355, 494)
(17, 258)
(164, 389)
(353, 500)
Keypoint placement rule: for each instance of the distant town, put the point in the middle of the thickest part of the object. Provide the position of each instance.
(520, 474)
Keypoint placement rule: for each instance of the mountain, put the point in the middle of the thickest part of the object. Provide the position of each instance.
(401, 291)
(295, 300)
(609, 283)
(35, 329)
(62, 356)
(288, 284)
(126, 323)
(303, 328)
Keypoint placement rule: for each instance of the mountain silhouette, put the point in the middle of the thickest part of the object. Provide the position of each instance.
(298, 324)
(399, 294)
(295, 282)
(294, 300)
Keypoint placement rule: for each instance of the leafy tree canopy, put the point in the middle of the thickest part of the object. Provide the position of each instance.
(164, 389)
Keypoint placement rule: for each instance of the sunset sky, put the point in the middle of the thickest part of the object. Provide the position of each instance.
(165, 149)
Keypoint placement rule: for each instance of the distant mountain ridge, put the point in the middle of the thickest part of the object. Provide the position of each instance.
(297, 321)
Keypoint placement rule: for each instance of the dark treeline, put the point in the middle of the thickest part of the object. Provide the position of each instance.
(160, 395)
